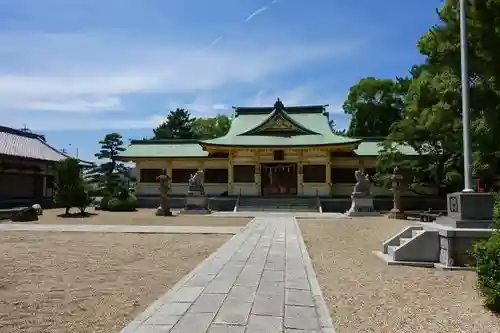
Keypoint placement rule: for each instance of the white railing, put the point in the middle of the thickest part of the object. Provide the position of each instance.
(318, 202)
(237, 202)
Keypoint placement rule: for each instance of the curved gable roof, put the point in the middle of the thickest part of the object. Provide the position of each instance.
(280, 122)
(311, 124)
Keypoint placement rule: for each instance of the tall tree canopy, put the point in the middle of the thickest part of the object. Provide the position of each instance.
(374, 105)
(110, 176)
(211, 127)
(178, 125)
(111, 147)
(432, 118)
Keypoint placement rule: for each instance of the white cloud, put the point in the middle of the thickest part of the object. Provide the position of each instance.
(78, 122)
(90, 73)
(255, 13)
(70, 103)
(306, 94)
(202, 106)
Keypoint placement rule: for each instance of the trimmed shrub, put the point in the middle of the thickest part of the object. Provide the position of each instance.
(104, 204)
(487, 259)
(70, 189)
(128, 204)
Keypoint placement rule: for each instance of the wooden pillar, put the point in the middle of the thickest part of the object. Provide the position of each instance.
(230, 176)
(361, 165)
(137, 171)
(300, 178)
(256, 157)
(44, 185)
(329, 173)
(169, 168)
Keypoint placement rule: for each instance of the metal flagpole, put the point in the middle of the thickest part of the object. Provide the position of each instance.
(465, 99)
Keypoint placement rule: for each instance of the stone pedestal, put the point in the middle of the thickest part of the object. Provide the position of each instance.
(396, 213)
(446, 243)
(468, 210)
(196, 203)
(361, 206)
(470, 216)
(164, 208)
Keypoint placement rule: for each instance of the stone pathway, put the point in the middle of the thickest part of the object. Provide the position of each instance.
(261, 280)
(147, 229)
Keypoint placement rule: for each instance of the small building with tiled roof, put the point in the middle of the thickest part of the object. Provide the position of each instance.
(268, 151)
(26, 167)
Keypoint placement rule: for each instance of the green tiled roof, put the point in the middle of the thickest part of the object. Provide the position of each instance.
(164, 148)
(192, 148)
(310, 128)
(313, 118)
(370, 147)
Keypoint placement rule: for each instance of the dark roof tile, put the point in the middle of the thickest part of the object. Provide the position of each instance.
(19, 143)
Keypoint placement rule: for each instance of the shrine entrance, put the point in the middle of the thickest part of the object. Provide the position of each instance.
(279, 179)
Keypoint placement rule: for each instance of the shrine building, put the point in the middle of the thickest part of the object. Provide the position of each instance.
(268, 152)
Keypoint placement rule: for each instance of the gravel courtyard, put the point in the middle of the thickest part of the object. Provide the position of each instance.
(366, 295)
(89, 282)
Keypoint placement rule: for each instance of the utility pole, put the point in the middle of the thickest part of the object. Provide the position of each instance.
(467, 142)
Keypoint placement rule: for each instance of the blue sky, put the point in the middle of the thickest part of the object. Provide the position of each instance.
(75, 70)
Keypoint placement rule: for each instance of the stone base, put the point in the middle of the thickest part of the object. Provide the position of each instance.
(389, 261)
(161, 212)
(456, 243)
(466, 224)
(196, 204)
(468, 210)
(195, 212)
(362, 207)
(396, 214)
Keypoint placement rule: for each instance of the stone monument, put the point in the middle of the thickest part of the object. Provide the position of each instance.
(196, 201)
(447, 241)
(362, 199)
(397, 211)
(164, 187)
(468, 210)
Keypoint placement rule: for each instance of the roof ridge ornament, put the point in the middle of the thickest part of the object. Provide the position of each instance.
(278, 106)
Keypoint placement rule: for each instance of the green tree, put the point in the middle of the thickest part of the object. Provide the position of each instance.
(441, 46)
(374, 105)
(432, 119)
(70, 188)
(432, 127)
(211, 127)
(179, 125)
(110, 176)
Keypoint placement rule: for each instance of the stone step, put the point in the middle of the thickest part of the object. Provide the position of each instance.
(391, 249)
(403, 240)
(278, 204)
(274, 209)
(415, 233)
(275, 205)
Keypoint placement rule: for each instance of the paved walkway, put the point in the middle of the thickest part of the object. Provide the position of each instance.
(145, 229)
(260, 281)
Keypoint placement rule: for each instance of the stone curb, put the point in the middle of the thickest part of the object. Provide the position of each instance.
(323, 313)
(143, 229)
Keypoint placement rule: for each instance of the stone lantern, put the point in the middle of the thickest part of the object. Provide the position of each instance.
(397, 211)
